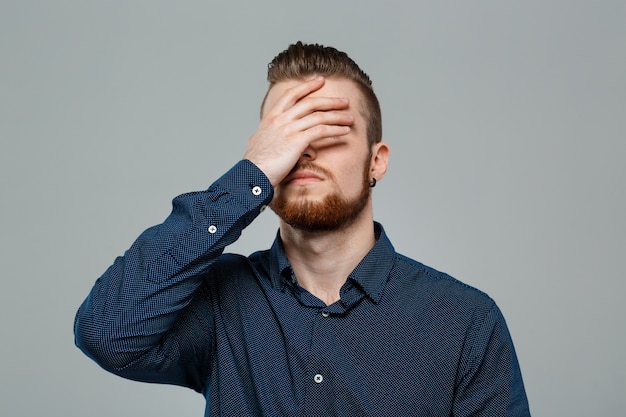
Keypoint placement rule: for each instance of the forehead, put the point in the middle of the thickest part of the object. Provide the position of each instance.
(333, 87)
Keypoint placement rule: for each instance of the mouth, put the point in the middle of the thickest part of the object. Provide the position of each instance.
(301, 177)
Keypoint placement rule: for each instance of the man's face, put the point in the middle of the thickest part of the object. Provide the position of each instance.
(328, 188)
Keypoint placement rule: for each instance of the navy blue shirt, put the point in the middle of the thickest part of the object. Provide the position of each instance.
(403, 340)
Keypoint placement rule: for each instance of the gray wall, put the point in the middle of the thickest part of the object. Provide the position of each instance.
(506, 122)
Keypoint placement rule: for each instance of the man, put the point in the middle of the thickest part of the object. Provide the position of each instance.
(330, 320)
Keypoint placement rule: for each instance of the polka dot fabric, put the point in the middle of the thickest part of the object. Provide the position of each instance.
(403, 340)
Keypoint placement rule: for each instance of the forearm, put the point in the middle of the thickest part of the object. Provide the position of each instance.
(138, 299)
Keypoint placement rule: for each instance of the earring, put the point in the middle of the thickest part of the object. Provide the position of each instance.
(373, 183)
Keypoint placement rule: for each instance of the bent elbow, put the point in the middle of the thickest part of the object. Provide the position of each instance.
(100, 345)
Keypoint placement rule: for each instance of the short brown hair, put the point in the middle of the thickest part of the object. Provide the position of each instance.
(301, 60)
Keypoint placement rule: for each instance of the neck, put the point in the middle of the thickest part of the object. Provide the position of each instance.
(322, 261)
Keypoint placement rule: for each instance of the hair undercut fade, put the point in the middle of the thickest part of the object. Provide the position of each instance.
(300, 61)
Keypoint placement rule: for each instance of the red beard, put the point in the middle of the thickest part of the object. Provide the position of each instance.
(332, 213)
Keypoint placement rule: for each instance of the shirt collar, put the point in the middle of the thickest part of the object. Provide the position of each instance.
(370, 275)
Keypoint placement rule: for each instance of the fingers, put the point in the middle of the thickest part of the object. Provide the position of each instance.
(297, 102)
(314, 118)
(300, 111)
(295, 94)
(309, 105)
(322, 124)
(296, 119)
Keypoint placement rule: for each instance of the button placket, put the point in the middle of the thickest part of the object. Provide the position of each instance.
(320, 361)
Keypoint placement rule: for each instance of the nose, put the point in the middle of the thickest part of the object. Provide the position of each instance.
(309, 153)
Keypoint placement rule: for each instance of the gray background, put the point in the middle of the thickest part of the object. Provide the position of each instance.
(506, 121)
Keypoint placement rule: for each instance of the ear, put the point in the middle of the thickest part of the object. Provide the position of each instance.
(380, 159)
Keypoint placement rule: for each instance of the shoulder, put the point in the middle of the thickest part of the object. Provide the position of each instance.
(437, 288)
(232, 270)
(231, 266)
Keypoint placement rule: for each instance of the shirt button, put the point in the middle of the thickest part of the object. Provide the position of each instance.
(212, 229)
(325, 314)
(256, 190)
(318, 378)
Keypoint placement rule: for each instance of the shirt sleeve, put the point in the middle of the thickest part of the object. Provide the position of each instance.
(129, 322)
(490, 381)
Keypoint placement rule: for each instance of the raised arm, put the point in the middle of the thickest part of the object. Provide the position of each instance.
(135, 303)
(128, 323)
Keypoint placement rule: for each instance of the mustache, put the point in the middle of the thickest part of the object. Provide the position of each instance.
(309, 166)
